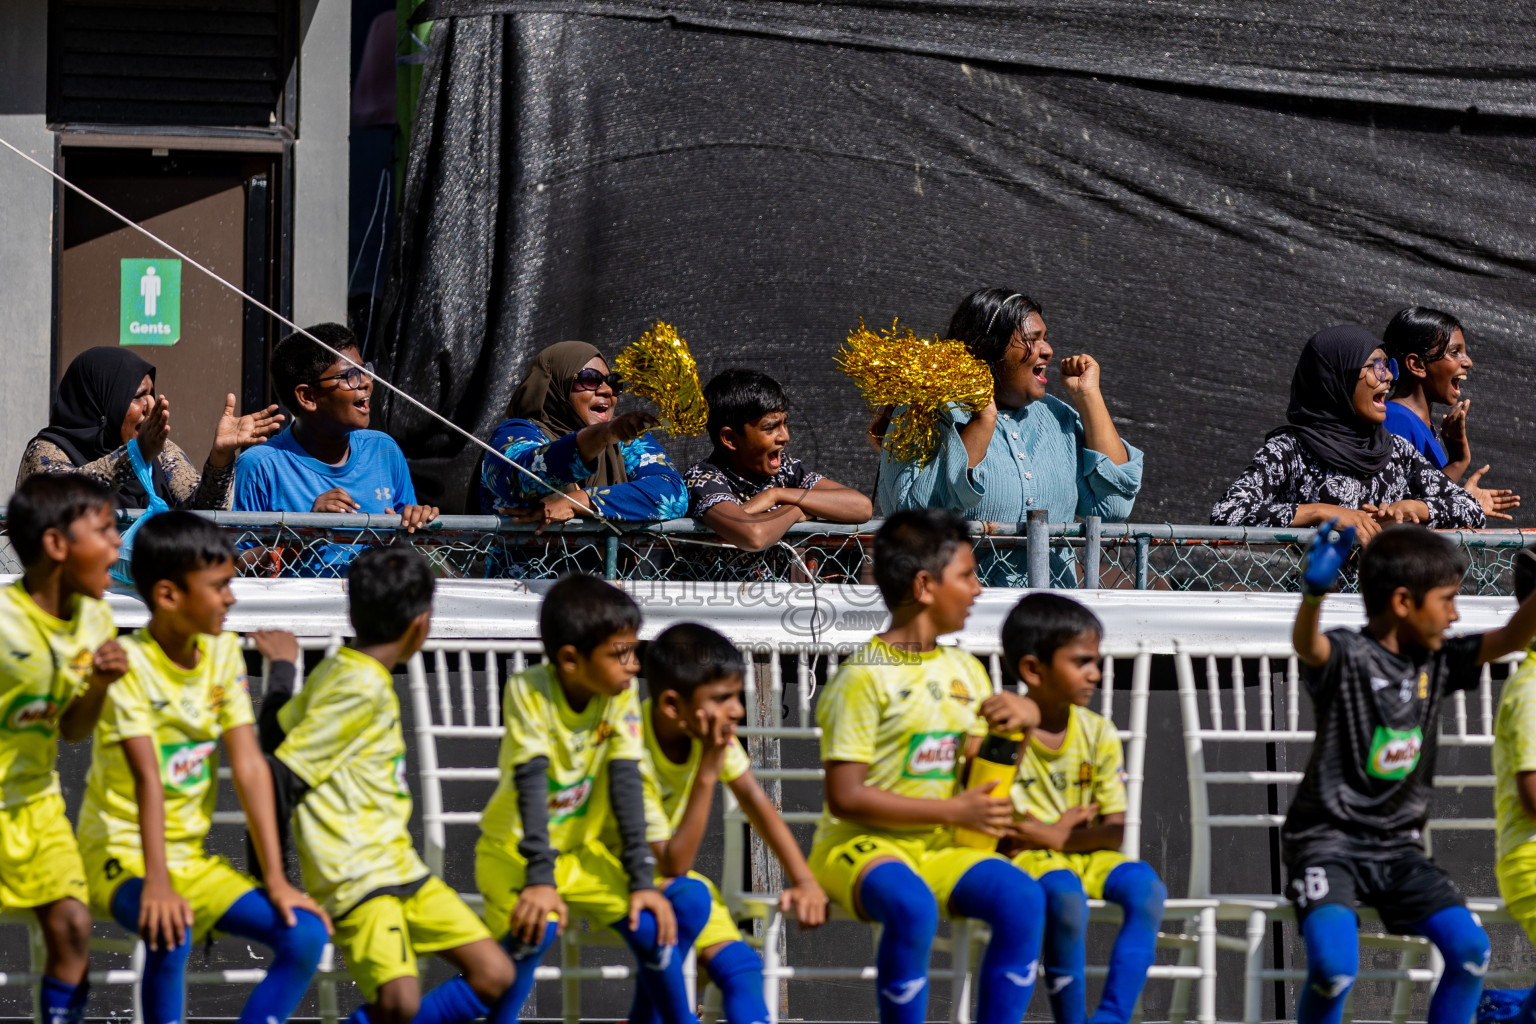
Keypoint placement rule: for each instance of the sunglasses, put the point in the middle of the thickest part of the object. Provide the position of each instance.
(1385, 370)
(590, 380)
(349, 379)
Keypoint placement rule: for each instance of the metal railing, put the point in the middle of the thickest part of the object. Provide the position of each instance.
(1092, 554)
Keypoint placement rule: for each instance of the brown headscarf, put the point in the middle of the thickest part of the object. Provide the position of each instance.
(544, 397)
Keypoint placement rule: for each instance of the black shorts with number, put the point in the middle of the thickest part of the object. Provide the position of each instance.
(1404, 890)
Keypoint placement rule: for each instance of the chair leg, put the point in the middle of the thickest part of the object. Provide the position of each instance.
(1253, 964)
(691, 977)
(140, 954)
(39, 958)
(1178, 1001)
(329, 1008)
(570, 984)
(772, 964)
(1206, 949)
(712, 1007)
(960, 971)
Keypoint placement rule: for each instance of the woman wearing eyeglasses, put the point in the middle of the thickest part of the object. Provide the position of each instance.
(106, 399)
(1335, 458)
(1027, 450)
(562, 429)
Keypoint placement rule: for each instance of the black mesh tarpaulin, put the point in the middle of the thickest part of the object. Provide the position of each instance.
(1189, 189)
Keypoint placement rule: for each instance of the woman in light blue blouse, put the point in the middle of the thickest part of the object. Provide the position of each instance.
(1027, 450)
(562, 428)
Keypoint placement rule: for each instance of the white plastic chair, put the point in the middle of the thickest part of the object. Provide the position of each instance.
(1226, 720)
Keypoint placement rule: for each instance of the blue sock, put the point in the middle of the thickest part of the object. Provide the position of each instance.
(1332, 937)
(1137, 890)
(525, 960)
(893, 894)
(359, 1016)
(737, 971)
(1465, 948)
(63, 1003)
(661, 967)
(452, 1002)
(1066, 946)
(1011, 902)
(295, 954)
(1501, 1004)
(691, 906)
(160, 989)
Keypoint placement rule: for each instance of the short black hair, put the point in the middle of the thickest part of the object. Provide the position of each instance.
(1525, 573)
(738, 396)
(1419, 331)
(172, 544)
(1041, 624)
(297, 360)
(1408, 555)
(584, 611)
(687, 656)
(387, 587)
(987, 319)
(915, 540)
(50, 501)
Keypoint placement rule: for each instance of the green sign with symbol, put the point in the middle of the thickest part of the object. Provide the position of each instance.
(151, 303)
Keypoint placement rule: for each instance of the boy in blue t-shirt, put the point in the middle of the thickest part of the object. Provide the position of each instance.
(326, 460)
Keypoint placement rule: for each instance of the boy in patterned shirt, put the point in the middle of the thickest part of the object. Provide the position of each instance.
(896, 721)
(1070, 796)
(570, 777)
(153, 785)
(340, 764)
(695, 678)
(748, 491)
(58, 657)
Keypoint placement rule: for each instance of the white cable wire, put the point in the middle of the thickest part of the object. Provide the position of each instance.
(284, 320)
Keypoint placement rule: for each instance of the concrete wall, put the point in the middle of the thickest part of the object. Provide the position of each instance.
(26, 226)
(320, 162)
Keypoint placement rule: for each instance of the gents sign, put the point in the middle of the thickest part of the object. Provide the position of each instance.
(150, 306)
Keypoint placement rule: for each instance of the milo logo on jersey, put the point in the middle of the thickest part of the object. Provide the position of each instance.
(31, 713)
(568, 801)
(1394, 752)
(932, 755)
(185, 765)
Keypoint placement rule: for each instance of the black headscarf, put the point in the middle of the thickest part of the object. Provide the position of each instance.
(1322, 412)
(544, 397)
(86, 420)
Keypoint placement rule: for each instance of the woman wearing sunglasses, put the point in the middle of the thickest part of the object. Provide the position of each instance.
(1335, 458)
(561, 427)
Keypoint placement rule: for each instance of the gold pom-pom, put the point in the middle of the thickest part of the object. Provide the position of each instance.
(660, 368)
(918, 375)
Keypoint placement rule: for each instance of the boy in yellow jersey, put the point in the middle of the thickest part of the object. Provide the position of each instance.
(896, 721)
(58, 655)
(570, 773)
(153, 785)
(695, 677)
(1070, 796)
(341, 766)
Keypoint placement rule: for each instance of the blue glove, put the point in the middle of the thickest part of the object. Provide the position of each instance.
(1325, 557)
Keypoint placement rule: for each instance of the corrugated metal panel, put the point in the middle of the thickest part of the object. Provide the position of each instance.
(213, 63)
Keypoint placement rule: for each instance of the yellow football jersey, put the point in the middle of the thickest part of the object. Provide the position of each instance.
(185, 712)
(907, 716)
(44, 663)
(1514, 752)
(353, 826)
(1089, 768)
(540, 723)
(668, 783)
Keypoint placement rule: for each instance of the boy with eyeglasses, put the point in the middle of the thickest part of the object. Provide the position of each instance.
(326, 459)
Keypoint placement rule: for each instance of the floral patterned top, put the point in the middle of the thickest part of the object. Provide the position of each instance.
(1284, 474)
(654, 490)
(210, 490)
(711, 482)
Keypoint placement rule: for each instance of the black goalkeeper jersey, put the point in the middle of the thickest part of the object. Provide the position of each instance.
(1367, 787)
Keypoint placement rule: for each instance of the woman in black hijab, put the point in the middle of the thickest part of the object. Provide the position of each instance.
(107, 397)
(1335, 459)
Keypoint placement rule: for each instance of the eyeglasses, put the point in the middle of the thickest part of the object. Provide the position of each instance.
(349, 379)
(1384, 369)
(590, 380)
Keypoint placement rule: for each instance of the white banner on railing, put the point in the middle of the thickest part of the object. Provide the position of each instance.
(775, 613)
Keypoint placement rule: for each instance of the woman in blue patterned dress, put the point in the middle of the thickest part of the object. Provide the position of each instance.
(562, 429)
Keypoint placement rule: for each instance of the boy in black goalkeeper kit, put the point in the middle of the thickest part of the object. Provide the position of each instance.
(338, 757)
(1353, 830)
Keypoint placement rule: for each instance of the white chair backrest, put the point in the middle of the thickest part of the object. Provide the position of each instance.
(1268, 710)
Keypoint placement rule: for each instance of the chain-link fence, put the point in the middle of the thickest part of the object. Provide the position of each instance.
(1090, 554)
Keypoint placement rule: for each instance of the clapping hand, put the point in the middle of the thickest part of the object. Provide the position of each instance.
(1494, 502)
(235, 434)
